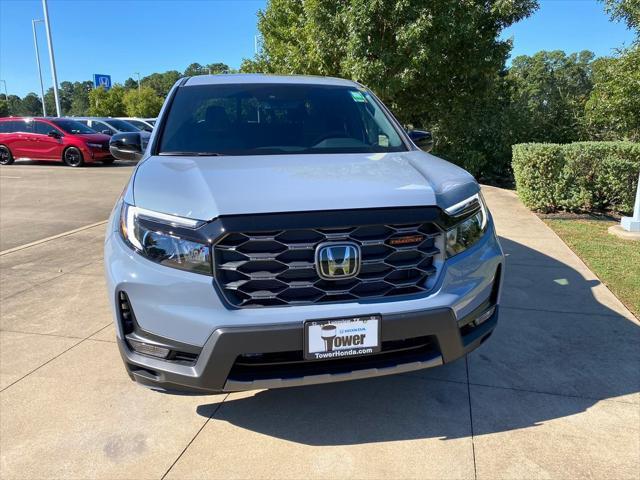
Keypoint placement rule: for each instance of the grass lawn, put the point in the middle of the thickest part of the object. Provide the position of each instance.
(615, 261)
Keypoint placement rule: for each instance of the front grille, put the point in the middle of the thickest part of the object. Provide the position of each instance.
(277, 268)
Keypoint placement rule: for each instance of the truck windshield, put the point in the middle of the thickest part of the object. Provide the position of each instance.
(262, 119)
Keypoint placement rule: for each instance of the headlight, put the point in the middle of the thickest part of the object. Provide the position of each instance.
(94, 145)
(152, 235)
(471, 229)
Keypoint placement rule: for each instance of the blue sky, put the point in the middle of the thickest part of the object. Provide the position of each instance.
(120, 37)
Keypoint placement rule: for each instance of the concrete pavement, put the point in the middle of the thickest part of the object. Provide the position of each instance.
(553, 394)
(42, 199)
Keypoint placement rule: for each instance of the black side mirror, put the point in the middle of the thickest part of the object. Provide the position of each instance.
(54, 134)
(127, 146)
(106, 131)
(422, 139)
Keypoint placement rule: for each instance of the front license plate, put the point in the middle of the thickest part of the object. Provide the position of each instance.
(341, 337)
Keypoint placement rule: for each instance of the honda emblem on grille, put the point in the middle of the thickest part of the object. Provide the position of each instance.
(335, 261)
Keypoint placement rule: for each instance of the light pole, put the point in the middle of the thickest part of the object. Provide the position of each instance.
(35, 43)
(138, 75)
(52, 60)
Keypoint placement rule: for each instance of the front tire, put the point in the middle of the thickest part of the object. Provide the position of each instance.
(73, 157)
(6, 158)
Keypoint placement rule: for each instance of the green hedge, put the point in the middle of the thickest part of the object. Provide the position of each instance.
(577, 177)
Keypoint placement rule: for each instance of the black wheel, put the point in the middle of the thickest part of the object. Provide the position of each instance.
(5, 156)
(108, 161)
(73, 157)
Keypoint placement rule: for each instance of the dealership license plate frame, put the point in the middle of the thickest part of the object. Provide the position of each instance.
(376, 348)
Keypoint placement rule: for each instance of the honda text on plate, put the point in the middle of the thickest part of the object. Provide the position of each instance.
(283, 231)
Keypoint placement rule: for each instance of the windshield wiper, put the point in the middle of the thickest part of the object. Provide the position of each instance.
(192, 154)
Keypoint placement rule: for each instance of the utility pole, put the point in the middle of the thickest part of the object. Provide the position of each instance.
(35, 43)
(54, 75)
(257, 44)
(138, 75)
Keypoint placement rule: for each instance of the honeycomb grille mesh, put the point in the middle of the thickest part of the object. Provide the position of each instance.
(277, 268)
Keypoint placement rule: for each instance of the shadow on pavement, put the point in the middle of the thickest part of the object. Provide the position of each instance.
(553, 337)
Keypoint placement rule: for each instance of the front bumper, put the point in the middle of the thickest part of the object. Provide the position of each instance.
(234, 349)
(220, 367)
(95, 154)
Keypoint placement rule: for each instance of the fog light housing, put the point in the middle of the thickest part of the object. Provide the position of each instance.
(149, 349)
(486, 315)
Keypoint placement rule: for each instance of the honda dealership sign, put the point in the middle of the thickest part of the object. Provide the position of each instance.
(103, 81)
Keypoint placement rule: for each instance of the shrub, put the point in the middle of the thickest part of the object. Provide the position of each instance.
(578, 177)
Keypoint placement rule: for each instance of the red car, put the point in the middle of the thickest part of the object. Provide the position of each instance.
(57, 139)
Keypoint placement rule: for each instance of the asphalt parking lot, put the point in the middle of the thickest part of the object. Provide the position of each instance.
(555, 393)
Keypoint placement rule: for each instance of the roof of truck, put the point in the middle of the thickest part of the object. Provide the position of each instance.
(262, 78)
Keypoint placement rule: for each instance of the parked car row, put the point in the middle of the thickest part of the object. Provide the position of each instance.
(74, 141)
(144, 124)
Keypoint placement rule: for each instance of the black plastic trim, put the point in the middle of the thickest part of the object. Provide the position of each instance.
(221, 350)
(212, 231)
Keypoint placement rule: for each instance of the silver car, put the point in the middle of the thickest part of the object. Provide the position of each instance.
(283, 231)
(143, 124)
(107, 125)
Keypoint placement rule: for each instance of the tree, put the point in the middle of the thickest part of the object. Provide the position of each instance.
(161, 82)
(31, 105)
(50, 102)
(14, 104)
(194, 69)
(66, 94)
(80, 99)
(625, 10)
(144, 103)
(4, 107)
(130, 83)
(303, 36)
(613, 109)
(549, 91)
(254, 65)
(217, 68)
(97, 98)
(74, 98)
(432, 62)
(109, 103)
(212, 69)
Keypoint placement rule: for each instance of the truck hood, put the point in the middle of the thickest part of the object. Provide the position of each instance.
(204, 188)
